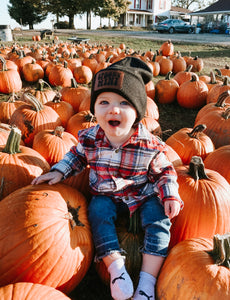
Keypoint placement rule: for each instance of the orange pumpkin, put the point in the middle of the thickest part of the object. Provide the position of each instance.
(205, 194)
(19, 165)
(8, 107)
(60, 75)
(220, 105)
(219, 160)
(188, 142)
(185, 75)
(53, 144)
(197, 63)
(193, 93)
(167, 48)
(34, 117)
(197, 268)
(150, 89)
(30, 291)
(32, 72)
(81, 120)
(75, 94)
(63, 109)
(166, 89)
(218, 89)
(49, 241)
(43, 92)
(179, 64)
(218, 126)
(152, 109)
(83, 74)
(10, 80)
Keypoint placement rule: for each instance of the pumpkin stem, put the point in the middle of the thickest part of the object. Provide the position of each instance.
(221, 99)
(196, 168)
(196, 130)
(221, 250)
(13, 141)
(58, 131)
(41, 84)
(226, 114)
(73, 216)
(36, 104)
(90, 118)
(3, 61)
(189, 68)
(168, 75)
(134, 223)
(194, 78)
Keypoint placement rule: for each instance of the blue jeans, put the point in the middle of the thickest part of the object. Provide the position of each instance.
(156, 225)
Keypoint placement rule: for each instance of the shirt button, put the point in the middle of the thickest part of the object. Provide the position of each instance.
(117, 150)
(126, 198)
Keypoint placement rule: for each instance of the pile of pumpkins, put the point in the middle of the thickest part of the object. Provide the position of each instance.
(46, 244)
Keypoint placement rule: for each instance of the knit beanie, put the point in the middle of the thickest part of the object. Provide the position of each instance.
(126, 77)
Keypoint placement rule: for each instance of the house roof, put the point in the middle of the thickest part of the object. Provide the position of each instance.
(221, 6)
(180, 9)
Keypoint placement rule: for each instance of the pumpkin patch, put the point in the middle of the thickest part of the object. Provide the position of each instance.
(48, 244)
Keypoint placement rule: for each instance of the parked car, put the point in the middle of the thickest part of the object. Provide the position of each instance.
(174, 25)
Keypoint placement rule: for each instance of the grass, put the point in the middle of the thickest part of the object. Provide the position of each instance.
(172, 118)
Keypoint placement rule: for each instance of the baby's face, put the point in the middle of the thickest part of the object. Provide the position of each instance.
(115, 115)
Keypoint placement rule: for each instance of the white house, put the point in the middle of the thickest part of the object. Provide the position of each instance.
(145, 13)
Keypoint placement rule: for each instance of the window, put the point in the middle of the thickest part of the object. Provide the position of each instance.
(137, 3)
(149, 4)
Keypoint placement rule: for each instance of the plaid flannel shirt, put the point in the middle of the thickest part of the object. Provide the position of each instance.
(131, 173)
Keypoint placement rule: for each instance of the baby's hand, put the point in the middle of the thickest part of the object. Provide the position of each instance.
(50, 178)
(172, 208)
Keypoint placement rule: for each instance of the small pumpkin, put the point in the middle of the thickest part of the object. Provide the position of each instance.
(8, 107)
(63, 109)
(53, 144)
(10, 80)
(193, 93)
(188, 142)
(81, 120)
(32, 72)
(166, 89)
(75, 94)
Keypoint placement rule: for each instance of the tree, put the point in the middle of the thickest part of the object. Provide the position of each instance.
(26, 12)
(192, 4)
(113, 8)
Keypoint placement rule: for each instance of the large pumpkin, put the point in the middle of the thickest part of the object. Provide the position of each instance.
(45, 236)
(30, 291)
(219, 160)
(196, 269)
(206, 203)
